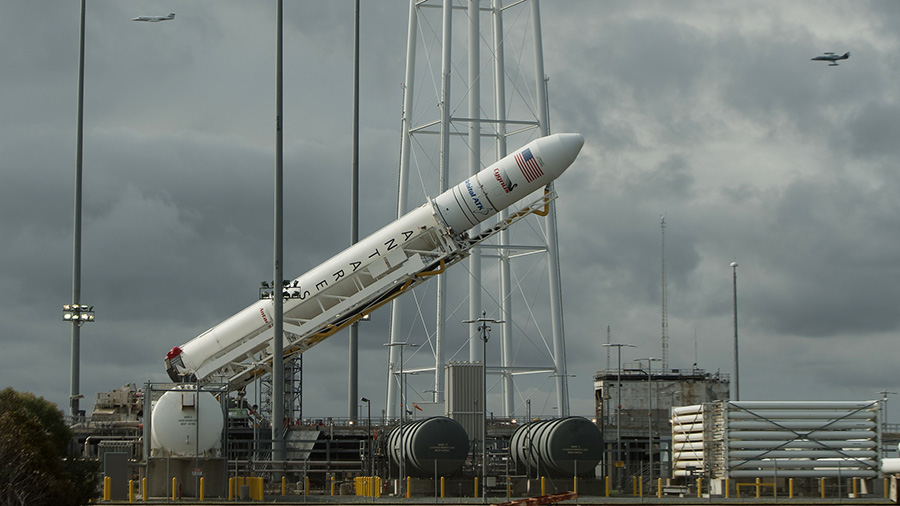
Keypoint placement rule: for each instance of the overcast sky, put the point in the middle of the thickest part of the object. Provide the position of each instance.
(708, 112)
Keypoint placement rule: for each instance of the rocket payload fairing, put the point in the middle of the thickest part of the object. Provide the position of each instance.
(375, 269)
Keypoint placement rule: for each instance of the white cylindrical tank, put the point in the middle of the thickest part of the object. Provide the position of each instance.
(173, 423)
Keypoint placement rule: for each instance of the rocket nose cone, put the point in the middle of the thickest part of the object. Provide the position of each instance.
(572, 143)
(562, 149)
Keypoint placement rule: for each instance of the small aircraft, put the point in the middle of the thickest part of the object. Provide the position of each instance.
(155, 19)
(833, 58)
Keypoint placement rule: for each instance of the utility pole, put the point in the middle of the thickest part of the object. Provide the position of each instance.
(619, 346)
(665, 299)
(485, 335)
(737, 376)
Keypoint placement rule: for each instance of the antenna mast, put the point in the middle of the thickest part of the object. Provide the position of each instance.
(665, 309)
(608, 341)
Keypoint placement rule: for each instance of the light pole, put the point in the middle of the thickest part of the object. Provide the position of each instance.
(279, 450)
(402, 345)
(368, 434)
(619, 346)
(353, 359)
(649, 360)
(737, 377)
(78, 315)
(485, 335)
(74, 385)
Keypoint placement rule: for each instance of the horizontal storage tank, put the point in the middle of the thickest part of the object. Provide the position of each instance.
(559, 447)
(433, 445)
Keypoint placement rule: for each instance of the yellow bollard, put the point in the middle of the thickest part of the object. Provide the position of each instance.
(332, 486)
(408, 483)
(174, 487)
(659, 488)
(699, 487)
(575, 484)
(634, 486)
(543, 486)
(855, 487)
(306, 486)
(202, 487)
(757, 488)
(476, 488)
(442, 487)
(607, 486)
(822, 487)
(727, 489)
(231, 488)
(791, 488)
(106, 487)
(130, 490)
(144, 488)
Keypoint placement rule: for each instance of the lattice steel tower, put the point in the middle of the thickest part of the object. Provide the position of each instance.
(665, 302)
(475, 125)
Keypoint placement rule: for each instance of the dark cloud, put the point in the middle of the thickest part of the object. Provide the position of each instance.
(711, 115)
(871, 131)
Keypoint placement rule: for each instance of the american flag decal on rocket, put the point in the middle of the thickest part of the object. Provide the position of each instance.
(528, 165)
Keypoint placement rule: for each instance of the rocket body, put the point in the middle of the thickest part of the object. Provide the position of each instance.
(355, 279)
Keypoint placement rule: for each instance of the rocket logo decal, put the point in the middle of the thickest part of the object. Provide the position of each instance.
(528, 165)
(504, 183)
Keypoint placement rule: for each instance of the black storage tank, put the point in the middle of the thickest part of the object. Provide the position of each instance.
(559, 447)
(438, 444)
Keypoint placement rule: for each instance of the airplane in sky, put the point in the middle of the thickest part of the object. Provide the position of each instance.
(155, 19)
(833, 58)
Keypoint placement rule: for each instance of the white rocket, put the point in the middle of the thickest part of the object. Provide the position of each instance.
(376, 269)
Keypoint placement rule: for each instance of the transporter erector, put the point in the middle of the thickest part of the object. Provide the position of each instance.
(376, 269)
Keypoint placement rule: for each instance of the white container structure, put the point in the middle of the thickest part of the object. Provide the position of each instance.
(764, 439)
(174, 424)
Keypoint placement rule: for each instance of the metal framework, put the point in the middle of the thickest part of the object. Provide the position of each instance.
(750, 439)
(428, 141)
(293, 391)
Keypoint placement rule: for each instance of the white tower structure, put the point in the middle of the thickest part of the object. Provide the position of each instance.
(444, 131)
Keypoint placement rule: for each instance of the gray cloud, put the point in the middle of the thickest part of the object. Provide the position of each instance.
(711, 114)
